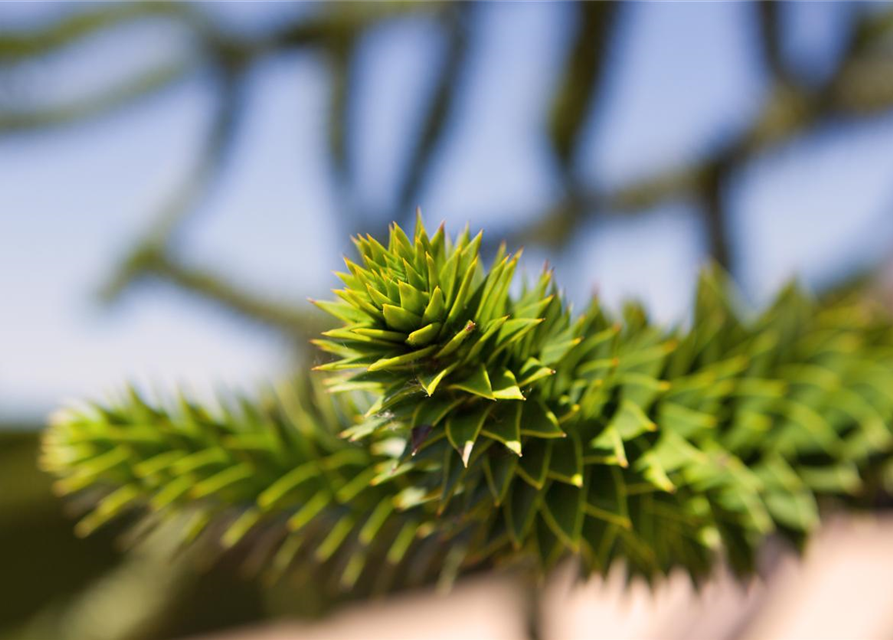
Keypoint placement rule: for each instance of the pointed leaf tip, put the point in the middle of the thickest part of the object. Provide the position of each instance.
(418, 436)
(478, 383)
(466, 452)
(419, 223)
(462, 432)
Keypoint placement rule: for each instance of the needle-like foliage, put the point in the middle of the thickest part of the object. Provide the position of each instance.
(487, 419)
(272, 474)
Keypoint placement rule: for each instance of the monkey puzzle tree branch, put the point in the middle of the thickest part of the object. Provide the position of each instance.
(481, 425)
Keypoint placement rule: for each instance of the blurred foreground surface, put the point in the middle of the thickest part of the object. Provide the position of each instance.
(839, 590)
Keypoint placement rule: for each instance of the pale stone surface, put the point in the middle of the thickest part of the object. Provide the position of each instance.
(480, 609)
(841, 589)
(610, 610)
(844, 589)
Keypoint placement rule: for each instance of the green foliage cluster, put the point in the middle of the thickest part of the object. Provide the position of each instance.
(273, 475)
(483, 423)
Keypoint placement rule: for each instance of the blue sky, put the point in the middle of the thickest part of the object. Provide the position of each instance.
(683, 77)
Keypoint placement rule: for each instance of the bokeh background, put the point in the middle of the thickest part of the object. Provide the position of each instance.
(176, 179)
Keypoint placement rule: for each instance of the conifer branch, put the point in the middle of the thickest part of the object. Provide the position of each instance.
(485, 424)
(272, 475)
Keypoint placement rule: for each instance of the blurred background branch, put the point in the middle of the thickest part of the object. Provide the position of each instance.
(301, 322)
(859, 88)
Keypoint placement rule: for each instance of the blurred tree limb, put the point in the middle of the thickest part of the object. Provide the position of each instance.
(771, 33)
(858, 88)
(97, 106)
(579, 86)
(300, 323)
(442, 105)
(131, 601)
(71, 29)
(334, 30)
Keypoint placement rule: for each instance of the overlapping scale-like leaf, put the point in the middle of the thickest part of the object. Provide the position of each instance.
(485, 423)
(613, 438)
(273, 474)
(427, 327)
